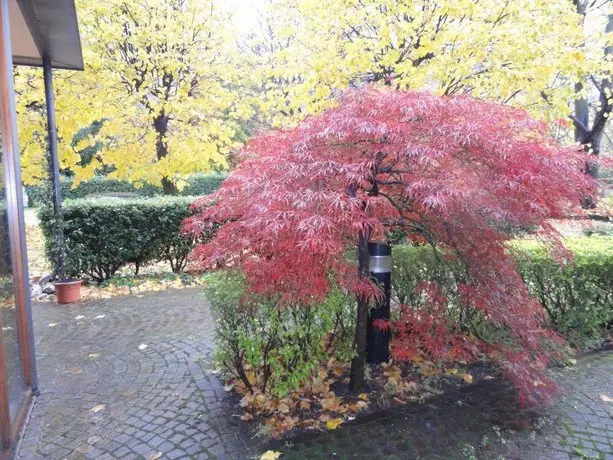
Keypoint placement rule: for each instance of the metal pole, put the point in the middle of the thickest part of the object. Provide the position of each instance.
(378, 339)
(14, 201)
(54, 169)
(54, 164)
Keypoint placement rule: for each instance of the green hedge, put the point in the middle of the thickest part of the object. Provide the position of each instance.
(578, 296)
(203, 184)
(102, 235)
(197, 184)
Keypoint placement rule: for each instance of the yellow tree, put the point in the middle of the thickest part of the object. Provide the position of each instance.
(523, 52)
(162, 77)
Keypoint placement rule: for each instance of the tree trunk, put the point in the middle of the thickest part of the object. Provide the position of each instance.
(590, 134)
(160, 123)
(361, 325)
(169, 187)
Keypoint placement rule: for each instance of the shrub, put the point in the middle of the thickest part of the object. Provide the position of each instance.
(96, 186)
(272, 349)
(198, 184)
(102, 235)
(578, 295)
(203, 184)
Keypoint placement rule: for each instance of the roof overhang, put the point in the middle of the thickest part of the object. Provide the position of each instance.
(45, 27)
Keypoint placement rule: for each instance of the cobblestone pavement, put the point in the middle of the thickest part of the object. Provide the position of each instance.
(130, 377)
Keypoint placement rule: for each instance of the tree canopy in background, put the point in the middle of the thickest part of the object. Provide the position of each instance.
(176, 85)
(526, 53)
(163, 77)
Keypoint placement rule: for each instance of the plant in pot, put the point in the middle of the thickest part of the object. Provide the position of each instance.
(67, 288)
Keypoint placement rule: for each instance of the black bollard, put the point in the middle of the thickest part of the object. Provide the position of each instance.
(377, 348)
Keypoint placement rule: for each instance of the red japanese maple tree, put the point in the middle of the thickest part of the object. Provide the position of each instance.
(454, 172)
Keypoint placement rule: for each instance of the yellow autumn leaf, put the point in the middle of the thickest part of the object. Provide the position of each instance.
(270, 455)
(363, 396)
(467, 378)
(334, 423)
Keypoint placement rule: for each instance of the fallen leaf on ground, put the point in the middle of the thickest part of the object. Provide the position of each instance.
(155, 456)
(329, 403)
(305, 405)
(142, 346)
(363, 396)
(93, 355)
(228, 387)
(246, 417)
(52, 324)
(270, 455)
(606, 398)
(283, 408)
(337, 371)
(334, 423)
(97, 408)
(361, 404)
(467, 378)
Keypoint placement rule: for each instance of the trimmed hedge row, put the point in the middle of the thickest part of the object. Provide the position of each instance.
(197, 184)
(578, 295)
(102, 235)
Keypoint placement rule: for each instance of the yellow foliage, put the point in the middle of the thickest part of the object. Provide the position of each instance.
(159, 61)
(185, 64)
(528, 53)
(334, 423)
(270, 455)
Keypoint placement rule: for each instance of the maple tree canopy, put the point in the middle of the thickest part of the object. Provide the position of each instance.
(454, 172)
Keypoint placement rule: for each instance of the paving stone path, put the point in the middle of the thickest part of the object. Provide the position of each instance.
(131, 377)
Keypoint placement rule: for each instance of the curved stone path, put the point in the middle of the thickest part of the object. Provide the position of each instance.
(131, 378)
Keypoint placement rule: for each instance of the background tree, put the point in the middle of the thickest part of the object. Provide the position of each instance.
(450, 171)
(163, 75)
(526, 53)
(594, 102)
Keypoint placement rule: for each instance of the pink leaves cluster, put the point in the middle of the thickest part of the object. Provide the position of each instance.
(452, 171)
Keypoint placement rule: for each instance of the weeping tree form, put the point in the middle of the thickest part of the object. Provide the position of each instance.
(453, 172)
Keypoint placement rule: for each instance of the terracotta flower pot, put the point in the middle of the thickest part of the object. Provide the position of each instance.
(68, 291)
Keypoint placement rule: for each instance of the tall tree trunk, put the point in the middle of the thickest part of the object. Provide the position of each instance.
(590, 134)
(361, 325)
(160, 123)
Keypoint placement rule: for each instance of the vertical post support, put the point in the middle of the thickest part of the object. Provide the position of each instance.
(54, 164)
(378, 339)
(54, 168)
(14, 202)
